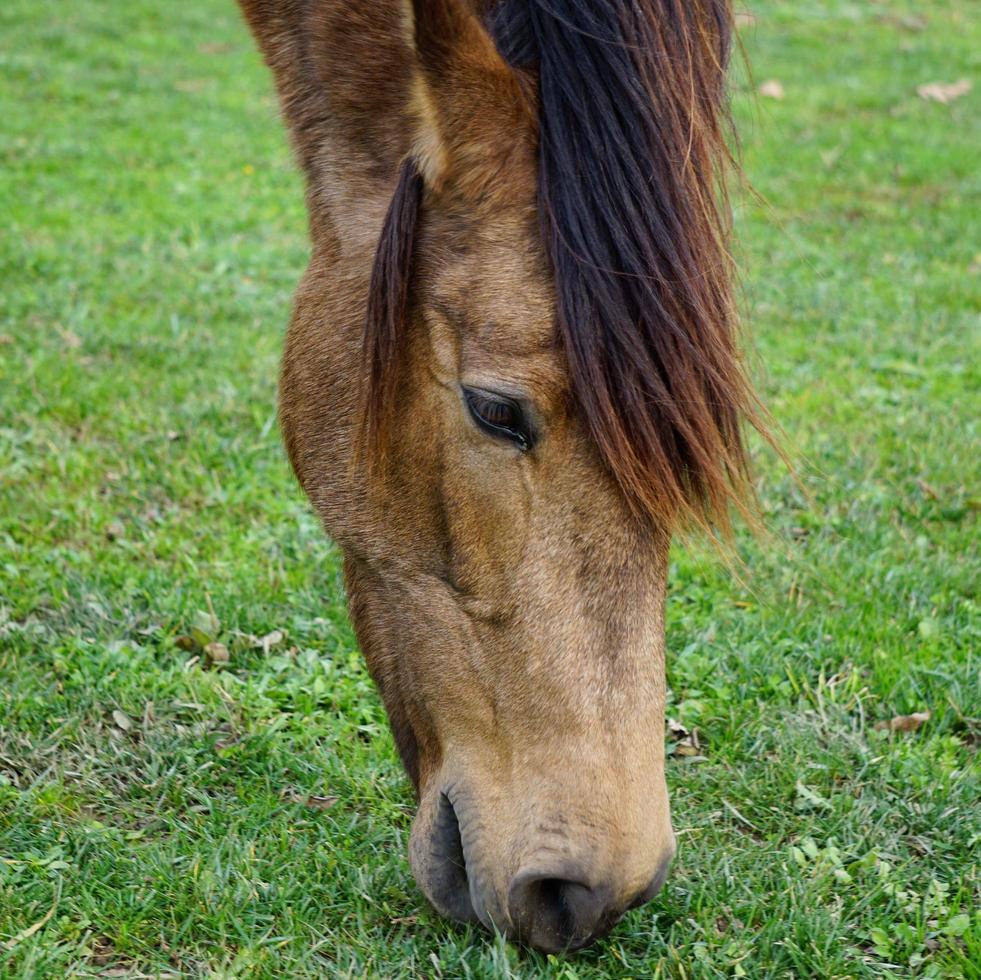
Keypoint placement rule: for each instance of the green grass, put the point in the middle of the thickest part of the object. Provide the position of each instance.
(152, 230)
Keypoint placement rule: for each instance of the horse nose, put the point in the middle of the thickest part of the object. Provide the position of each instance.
(560, 912)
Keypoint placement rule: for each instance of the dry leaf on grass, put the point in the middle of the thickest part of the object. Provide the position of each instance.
(271, 640)
(906, 22)
(215, 48)
(313, 801)
(122, 720)
(102, 952)
(904, 723)
(263, 643)
(771, 89)
(944, 91)
(217, 653)
(321, 802)
(683, 742)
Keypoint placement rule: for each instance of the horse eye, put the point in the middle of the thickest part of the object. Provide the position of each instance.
(498, 416)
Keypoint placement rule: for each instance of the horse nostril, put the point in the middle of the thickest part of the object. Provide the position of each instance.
(446, 880)
(557, 914)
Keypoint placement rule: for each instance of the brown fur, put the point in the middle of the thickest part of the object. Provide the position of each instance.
(509, 604)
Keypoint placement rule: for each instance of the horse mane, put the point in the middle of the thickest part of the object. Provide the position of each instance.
(635, 220)
(387, 318)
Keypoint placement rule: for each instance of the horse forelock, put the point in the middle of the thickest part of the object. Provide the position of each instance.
(632, 120)
(632, 159)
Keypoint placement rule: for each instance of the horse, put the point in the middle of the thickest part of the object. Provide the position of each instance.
(511, 375)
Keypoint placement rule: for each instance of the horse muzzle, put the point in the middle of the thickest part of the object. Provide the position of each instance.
(548, 884)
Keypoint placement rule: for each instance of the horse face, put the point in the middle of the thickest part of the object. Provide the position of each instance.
(508, 599)
(510, 608)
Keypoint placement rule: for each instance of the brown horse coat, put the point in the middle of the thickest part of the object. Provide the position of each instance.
(510, 375)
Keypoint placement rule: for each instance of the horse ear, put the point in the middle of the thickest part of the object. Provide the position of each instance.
(382, 80)
(343, 71)
(465, 99)
(440, 29)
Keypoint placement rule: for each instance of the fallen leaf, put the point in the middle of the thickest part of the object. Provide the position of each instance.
(771, 89)
(217, 653)
(215, 47)
(321, 802)
(684, 742)
(102, 952)
(315, 802)
(944, 92)
(905, 22)
(271, 640)
(904, 723)
(122, 720)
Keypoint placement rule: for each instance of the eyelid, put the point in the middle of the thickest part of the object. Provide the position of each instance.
(523, 438)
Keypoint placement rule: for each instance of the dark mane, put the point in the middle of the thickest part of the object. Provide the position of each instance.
(635, 219)
(636, 222)
(388, 312)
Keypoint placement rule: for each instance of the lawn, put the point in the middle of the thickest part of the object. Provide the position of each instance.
(162, 814)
